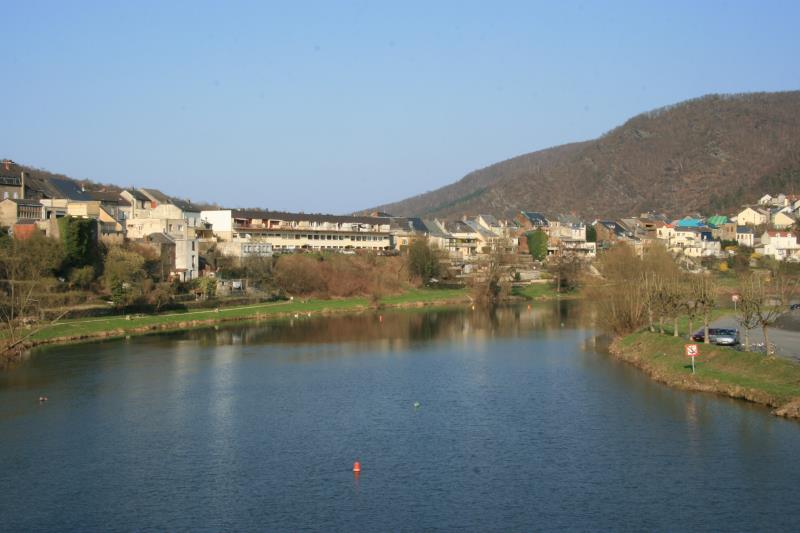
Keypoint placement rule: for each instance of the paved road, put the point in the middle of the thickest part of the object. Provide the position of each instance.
(787, 343)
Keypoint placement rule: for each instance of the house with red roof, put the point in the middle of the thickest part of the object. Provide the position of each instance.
(782, 245)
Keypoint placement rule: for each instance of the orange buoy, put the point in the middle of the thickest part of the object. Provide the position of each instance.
(356, 467)
(380, 318)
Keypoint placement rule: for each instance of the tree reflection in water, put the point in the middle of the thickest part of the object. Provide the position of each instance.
(404, 327)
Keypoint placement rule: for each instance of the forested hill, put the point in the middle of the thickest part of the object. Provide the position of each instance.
(703, 155)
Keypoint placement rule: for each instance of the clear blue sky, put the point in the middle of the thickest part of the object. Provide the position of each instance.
(337, 106)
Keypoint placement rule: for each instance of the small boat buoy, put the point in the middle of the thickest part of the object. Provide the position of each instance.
(42, 399)
(356, 467)
(529, 307)
(380, 318)
(417, 405)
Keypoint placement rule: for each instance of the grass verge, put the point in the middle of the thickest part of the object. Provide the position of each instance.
(769, 381)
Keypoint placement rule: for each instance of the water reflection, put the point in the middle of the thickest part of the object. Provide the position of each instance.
(396, 330)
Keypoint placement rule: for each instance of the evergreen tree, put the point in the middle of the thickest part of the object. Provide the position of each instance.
(537, 244)
(79, 236)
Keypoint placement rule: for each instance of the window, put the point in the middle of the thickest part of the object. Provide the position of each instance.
(193, 246)
(5, 195)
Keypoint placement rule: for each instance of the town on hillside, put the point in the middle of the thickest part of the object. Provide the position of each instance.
(183, 233)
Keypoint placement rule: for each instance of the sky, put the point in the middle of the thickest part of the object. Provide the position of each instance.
(340, 106)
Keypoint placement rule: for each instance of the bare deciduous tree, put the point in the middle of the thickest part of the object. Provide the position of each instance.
(763, 299)
(704, 291)
(746, 315)
(26, 266)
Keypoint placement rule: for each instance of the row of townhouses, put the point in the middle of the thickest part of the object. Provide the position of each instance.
(167, 224)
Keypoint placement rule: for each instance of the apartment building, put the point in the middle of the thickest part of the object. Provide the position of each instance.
(287, 232)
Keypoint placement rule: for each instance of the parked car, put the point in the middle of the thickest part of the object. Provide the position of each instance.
(794, 307)
(720, 336)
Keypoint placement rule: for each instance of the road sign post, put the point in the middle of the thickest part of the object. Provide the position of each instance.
(692, 351)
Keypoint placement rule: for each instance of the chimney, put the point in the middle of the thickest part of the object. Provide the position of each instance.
(22, 184)
(7, 163)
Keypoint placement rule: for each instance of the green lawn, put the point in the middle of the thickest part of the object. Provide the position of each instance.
(534, 291)
(716, 366)
(426, 295)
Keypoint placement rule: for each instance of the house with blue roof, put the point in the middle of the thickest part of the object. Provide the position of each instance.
(690, 222)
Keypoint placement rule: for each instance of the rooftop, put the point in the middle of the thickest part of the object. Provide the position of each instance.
(57, 188)
(457, 226)
(305, 217)
(106, 196)
(137, 195)
(537, 219)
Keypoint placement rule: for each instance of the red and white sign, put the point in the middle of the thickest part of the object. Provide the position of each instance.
(692, 350)
(734, 297)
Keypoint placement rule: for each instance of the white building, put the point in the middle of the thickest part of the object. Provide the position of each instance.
(286, 232)
(182, 254)
(692, 242)
(666, 232)
(745, 236)
(781, 245)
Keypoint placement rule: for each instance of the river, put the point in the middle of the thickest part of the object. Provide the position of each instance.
(522, 424)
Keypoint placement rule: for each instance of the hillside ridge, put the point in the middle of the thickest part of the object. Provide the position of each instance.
(707, 154)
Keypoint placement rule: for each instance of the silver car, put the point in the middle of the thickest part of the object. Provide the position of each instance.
(720, 336)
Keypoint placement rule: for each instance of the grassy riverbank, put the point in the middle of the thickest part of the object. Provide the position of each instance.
(141, 324)
(770, 381)
(138, 324)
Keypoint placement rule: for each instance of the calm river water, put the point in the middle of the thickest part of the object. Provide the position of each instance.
(522, 425)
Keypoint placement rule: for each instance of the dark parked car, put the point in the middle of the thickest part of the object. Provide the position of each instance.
(721, 336)
(794, 307)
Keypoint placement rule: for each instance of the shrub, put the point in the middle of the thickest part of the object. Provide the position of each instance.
(334, 275)
(299, 274)
(423, 261)
(82, 277)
